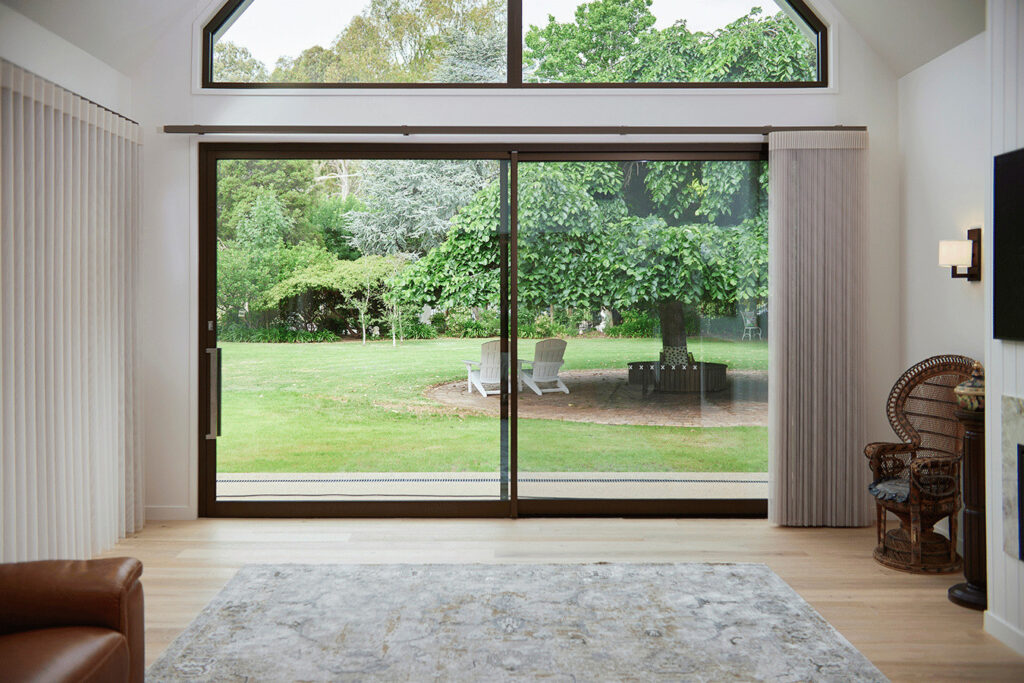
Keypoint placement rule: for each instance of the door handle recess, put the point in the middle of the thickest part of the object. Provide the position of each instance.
(214, 354)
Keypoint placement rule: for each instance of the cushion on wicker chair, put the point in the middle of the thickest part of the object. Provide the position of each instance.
(891, 489)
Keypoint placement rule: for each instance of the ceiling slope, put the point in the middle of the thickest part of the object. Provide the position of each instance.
(908, 34)
(119, 32)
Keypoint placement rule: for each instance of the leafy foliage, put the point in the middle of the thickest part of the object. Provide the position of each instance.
(273, 335)
(315, 245)
(591, 49)
(460, 322)
(409, 203)
(475, 58)
(635, 324)
(235, 64)
(241, 181)
(249, 265)
(615, 41)
(465, 41)
(331, 218)
(406, 41)
(579, 247)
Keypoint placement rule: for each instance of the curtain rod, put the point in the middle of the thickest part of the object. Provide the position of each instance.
(495, 130)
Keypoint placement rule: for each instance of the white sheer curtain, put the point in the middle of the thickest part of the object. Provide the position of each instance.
(817, 227)
(71, 472)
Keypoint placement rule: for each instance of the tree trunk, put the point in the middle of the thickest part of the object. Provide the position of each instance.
(673, 329)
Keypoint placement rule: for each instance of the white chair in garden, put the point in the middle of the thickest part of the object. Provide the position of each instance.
(750, 326)
(547, 359)
(489, 371)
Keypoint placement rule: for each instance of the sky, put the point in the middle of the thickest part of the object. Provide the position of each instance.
(276, 28)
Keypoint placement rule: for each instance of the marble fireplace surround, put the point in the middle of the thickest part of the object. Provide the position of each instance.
(1013, 442)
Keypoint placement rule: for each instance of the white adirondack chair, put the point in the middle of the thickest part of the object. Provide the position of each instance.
(547, 359)
(489, 371)
(750, 326)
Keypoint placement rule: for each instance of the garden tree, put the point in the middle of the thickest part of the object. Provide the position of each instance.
(475, 58)
(251, 263)
(240, 181)
(331, 287)
(581, 247)
(235, 64)
(591, 49)
(394, 41)
(410, 202)
(463, 270)
(311, 66)
(330, 218)
(616, 41)
(681, 269)
(693, 191)
(337, 177)
(393, 301)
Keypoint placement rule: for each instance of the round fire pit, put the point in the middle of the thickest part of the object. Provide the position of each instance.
(677, 378)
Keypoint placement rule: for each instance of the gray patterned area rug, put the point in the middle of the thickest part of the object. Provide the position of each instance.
(593, 622)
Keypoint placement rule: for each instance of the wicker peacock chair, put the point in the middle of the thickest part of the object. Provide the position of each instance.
(918, 479)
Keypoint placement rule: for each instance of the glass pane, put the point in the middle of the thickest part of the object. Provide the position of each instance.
(363, 41)
(345, 356)
(666, 41)
(643, 330)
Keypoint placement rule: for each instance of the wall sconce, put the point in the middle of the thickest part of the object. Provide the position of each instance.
(963, 254)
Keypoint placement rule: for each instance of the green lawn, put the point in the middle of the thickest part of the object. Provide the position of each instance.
(346, 407)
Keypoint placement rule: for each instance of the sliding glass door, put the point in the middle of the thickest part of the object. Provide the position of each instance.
(456, 330)
(642, 314)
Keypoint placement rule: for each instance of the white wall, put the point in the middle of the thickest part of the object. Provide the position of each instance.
(1004, 360)
(864, 93)
(944, 124)
(33, 48)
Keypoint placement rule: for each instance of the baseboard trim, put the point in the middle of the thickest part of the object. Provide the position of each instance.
(165, 513)
(1006, 633)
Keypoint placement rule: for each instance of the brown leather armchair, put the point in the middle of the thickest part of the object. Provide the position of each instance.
(72, 620)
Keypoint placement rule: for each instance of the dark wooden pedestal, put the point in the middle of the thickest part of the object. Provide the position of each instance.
(971, 593)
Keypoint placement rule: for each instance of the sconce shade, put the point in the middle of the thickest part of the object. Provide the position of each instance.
(955, 253)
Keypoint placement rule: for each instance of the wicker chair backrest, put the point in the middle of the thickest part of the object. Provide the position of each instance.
(922, 406)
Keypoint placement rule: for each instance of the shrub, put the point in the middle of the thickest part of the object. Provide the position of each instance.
(545, 326)
(439, 322)
(418, 330)
(412, 328)
(273, 335)
(460, 323)
(634, 324)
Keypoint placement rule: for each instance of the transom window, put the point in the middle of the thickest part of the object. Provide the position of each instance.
(521, 43)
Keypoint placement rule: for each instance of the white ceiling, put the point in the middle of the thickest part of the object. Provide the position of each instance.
(905, 33)
(910, 33)
(119, 32)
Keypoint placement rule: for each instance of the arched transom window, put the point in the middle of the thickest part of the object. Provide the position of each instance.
(520, 44)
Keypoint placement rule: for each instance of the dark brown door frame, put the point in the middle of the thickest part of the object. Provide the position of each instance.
(211, 152)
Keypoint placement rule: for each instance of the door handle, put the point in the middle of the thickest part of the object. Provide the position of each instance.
(214, 354)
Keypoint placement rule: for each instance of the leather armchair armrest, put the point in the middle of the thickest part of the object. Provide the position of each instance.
(886, 462)
(55, 593)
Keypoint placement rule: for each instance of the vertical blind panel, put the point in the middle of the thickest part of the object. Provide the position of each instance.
(70, 456)
(817, 228)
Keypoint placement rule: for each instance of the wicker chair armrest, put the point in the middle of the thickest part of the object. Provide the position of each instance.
(935, 477)
(885, 460)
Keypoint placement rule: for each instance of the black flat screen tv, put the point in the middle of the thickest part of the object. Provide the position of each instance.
(1008, 247)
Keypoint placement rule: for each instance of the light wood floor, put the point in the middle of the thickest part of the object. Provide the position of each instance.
(903, 623)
